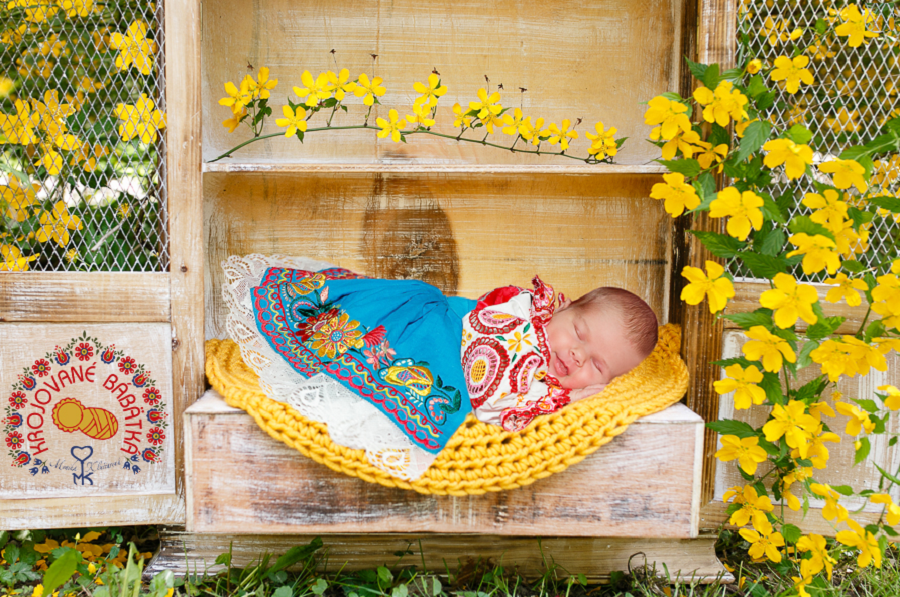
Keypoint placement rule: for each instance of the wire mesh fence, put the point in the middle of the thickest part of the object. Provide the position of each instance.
(855, 92)
(82, 136)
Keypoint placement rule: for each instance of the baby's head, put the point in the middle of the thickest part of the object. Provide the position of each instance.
(602, 335)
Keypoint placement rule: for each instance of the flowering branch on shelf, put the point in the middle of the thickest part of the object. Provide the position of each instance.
(249, 104)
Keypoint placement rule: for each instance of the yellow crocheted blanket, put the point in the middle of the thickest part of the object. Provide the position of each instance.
(479, 457)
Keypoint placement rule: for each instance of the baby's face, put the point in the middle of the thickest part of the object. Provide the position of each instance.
(588, 347)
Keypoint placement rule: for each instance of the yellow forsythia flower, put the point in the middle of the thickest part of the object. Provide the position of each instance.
(830, 209)
(533, 133)
(746, 450)
(818, 549)
(794, 157)
(764, 542)
(892, 400)
(854, 25)
(460, 118)
(886, 297)
(141, 120)
(135, 49)
(561, 134)
(677, 194)
(792, 72)
(316, 89)
(819, 252)
(848, 357)
(723, 104)
(743, 383)
(512, 121)
(805, 578)
(17, 199)
(832, 509)
(793, 424)
(742, 210)
(487, 104)
(430, 93)
(846, 289)
(790, 301)
(768, 347)
(263, 84)
(294, 120)
(421, 115)
(669, 114)
(846, 173)
(817, 453)
(712, 285)
(864, 541)
(235, 120)
(392, 127)
(56, 224)
(892, 510)
(754, 66)
(238, 97)
(859, 419)
(602, 144)
(340, 83)
(753, 507)
(688, 143)
(368, 90)
(12, 260)
(36, 11)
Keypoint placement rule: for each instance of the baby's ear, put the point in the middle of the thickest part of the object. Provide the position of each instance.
(564, 301)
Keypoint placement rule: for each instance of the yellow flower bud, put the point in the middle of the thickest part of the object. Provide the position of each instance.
(754, 66)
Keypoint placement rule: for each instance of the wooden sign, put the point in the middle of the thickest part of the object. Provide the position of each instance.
(86, 410)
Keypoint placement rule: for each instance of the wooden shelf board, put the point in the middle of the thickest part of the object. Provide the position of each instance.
(412, 168)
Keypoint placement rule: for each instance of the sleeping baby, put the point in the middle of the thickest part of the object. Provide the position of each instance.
(527, 353)
(378, 361)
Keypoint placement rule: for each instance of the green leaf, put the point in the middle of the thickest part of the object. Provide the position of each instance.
(690, 168)
(321, 584)
(720, 245)
(824, 327)
(874, 330)
(761, 317)
(791, 533)
(296, 554)
(732, 74)
(863, 452)
(799, 134)
(772, 243)
(400, 591)
(803, 359)
(697, 69)
(821, 26)
(283, 591)
(853, 266)
(742, 361)
(766, 100)
(61, 570)
(891, 204)
(754, 137)
(785, 202)
(756, 86)
(805, 225)
(772, 385)
(731, 427)
(718, 135)
(384, 574)
(867, 404)
(843, 489)
(763, 266)
(859, 216)
(223, 559)
(436, 587)
(771, 210)
(711, 76)
(23, 178)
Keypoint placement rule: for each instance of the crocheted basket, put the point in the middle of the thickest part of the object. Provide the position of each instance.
(479, 457)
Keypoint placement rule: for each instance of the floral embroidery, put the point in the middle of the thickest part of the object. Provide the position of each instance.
(313, 324)
(149, 455)
(152, 396)
(382, 352)
(484, 363)
(84, 351)
(60, 356)
(156, 436)
(127, 365)
(14, 440)
(308, 284)
(409, 374)
(41, 368)
(520, 340)
(18, 400)
(338, 335)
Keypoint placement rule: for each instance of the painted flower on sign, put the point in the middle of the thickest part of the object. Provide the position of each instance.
(127, 365)
(84, 351)
(152, 396)
(14, 440)
(41, 368)
(18, 400)
(156, 436)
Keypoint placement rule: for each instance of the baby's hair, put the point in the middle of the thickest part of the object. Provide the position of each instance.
(641, 325)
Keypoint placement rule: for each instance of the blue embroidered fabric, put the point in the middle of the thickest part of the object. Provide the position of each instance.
(395, 343)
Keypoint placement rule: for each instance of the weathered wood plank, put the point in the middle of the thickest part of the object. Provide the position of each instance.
(185, 191)
(464, 234)
(341, 168)
(596, 558)
(97, 297)
(93, 511)
(702, 342)
(640, 484)
(615, 54)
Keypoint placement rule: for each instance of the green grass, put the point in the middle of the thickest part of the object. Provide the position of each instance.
(101, 567)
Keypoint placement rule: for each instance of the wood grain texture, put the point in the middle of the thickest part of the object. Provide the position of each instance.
(596, 558)
(464, 234)
(298, 168)
(96, 511)
(746, 299)
(840, 470)
(717, 22)
(639, 485)
(597, 61)
(185, 191)
(84, 297)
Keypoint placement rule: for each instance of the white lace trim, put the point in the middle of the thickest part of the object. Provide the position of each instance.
(352, 421)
